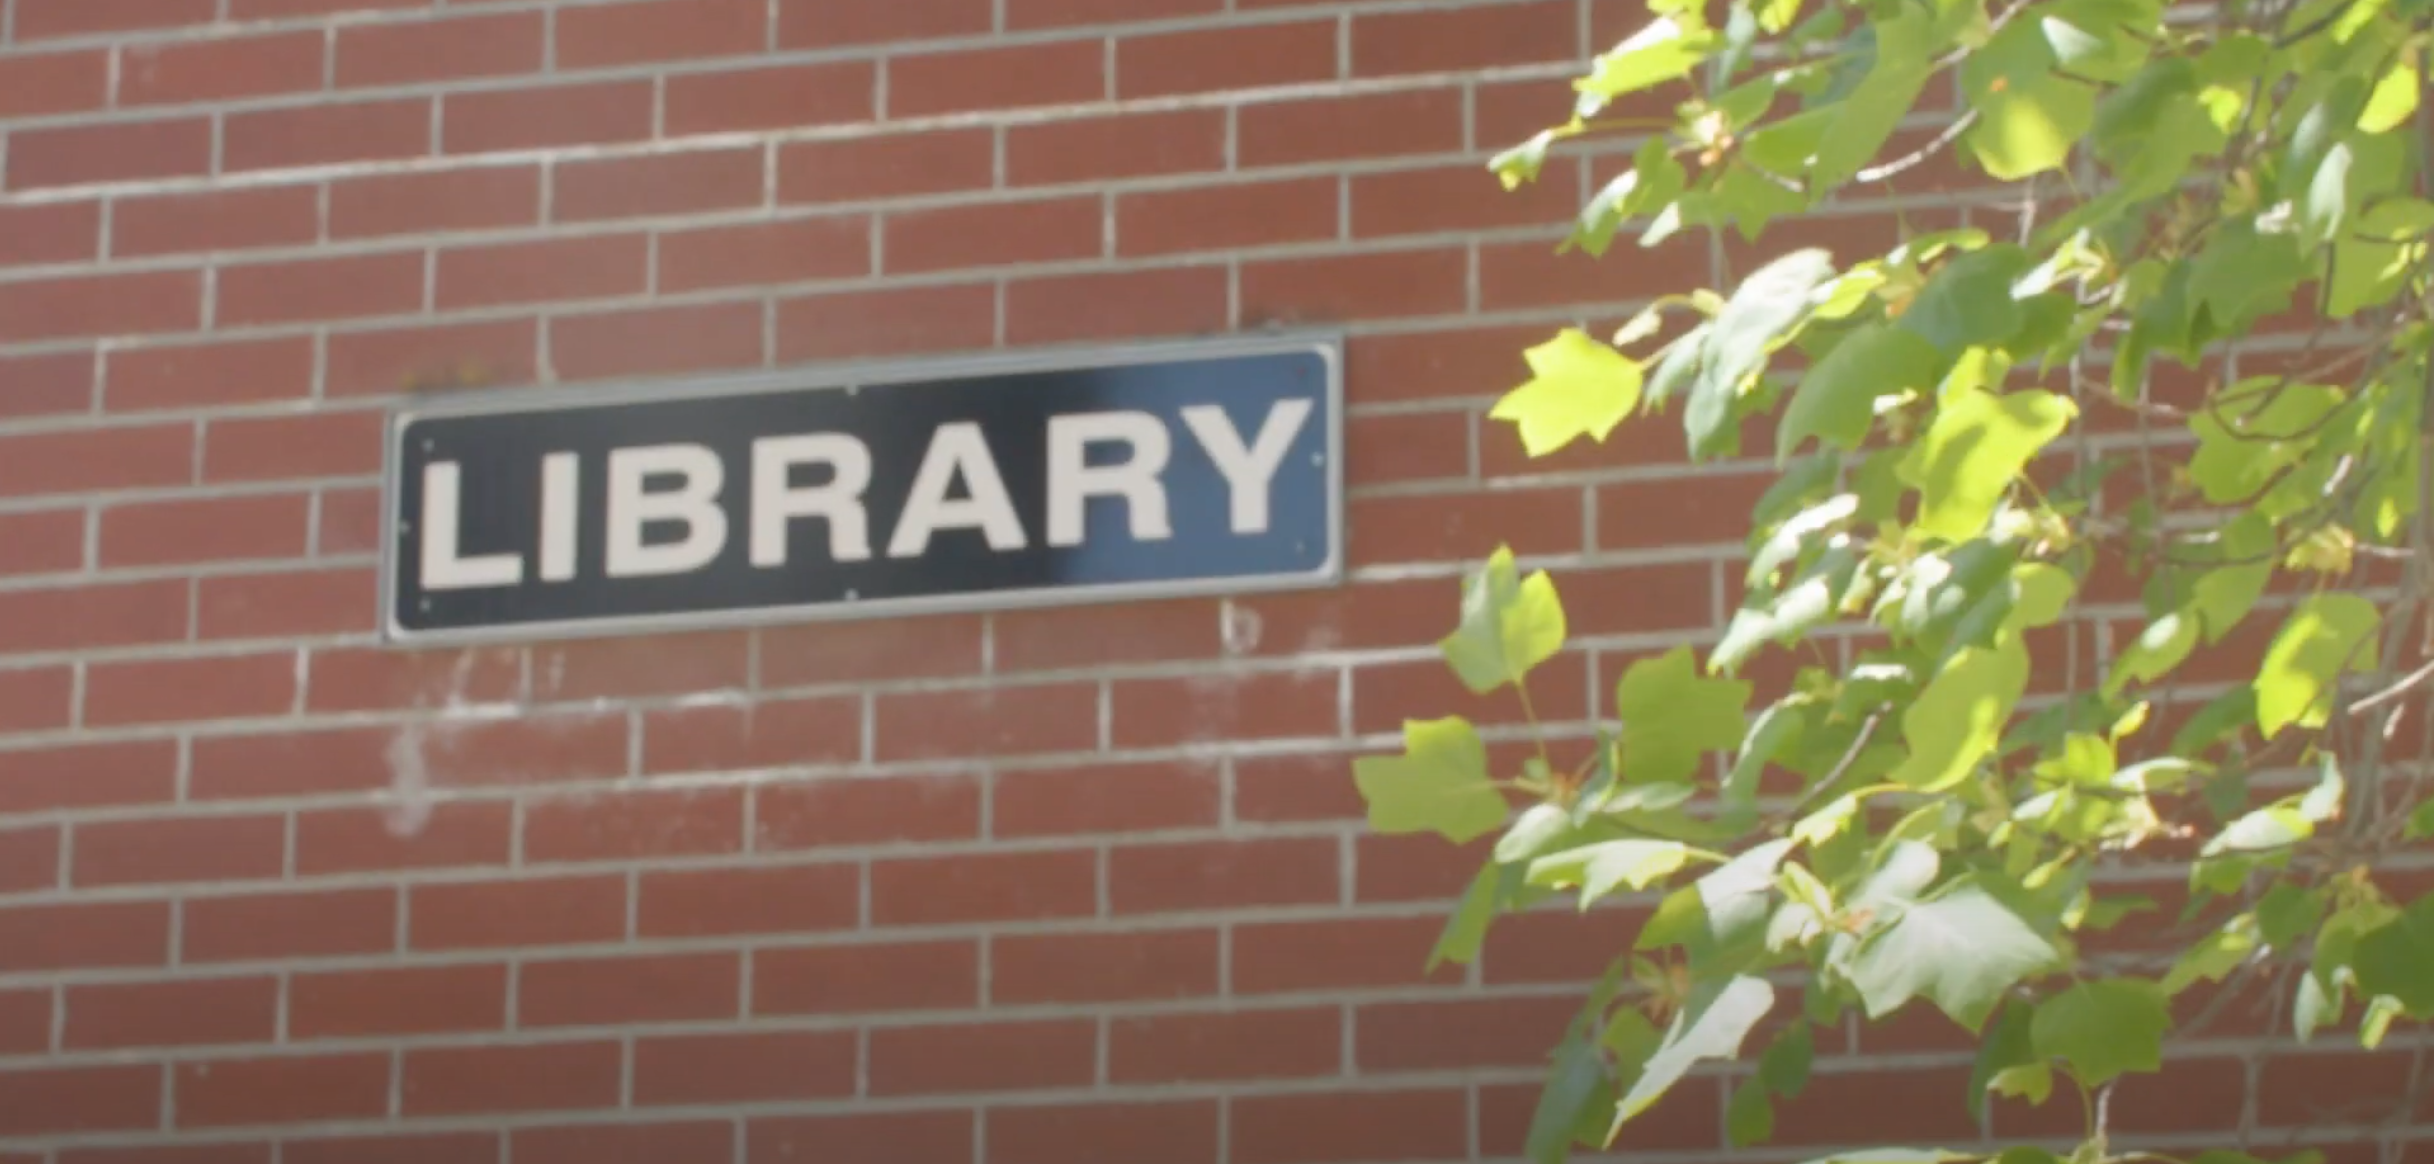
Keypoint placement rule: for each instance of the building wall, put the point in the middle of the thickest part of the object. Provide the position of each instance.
(1081, 885)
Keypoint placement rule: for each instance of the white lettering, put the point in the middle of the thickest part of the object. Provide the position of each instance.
(695, 502)
(839, 501)
(558, 523)
(1248, 472)
(956, 450)
(443, 567)
(1072, 483)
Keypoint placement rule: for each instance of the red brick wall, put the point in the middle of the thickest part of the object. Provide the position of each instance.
(1062, 886)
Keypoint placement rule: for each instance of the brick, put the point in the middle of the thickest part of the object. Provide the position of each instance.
(881, 1137)
(1559, 694)
(887, 165)
(1458, 1034)
(37, 84)
(1104, 798)
(814, 813)
(1546, 946)
(411, 833)
(1413, 528)
(45, 19)
(281, 1090)
(219, 68)
(683, 903)
(1211, 60)
(530, 1078)
(762, 253)
(180, 1012)
(201, 375)
(624, 1143)
(770, 734)
(1706, 510)
(750, 1067)
(273, 448)
(635, 825)
(29, 858)
(994, 1057)
(2297, 1089)
(866, 977)
(84, 935)
(290, 764)
(1150, 713)
(1203, 875)
(100, 305)
(322, 923)
(1424, 121)
(397, 1000)
(141, 691)
(1117, 305)
(774, 97)
(531, 912)
(1438, 363)
(1226, 216)
(1413, 867)
(56, 1100)
(1407, 446)
(25, 1021)
(329, 288)
(694, 181)
(47, 384)
(1313, 1128)
(395, 1148)
(890, 321)
(395, 52)
(87, 775)
(1001, 721)
(533, 272)
(1837, 1108)
(627, 991)
(509, 119)
(318, 602)
(1439, 199)
(1224, 1045)
(1178, 1131)
(990, 235)
(1141, 632)
(920, 647)
(659, 30)
(281, 9)
(1103, 967)
(1000, 77)
(1336, 954)
(175, 849)
(656, 341)
(330, 134)
(224, 1152)
(1686, 1117)
(1132, 145)
(427, 356)
(52, 232)
(1363, 286)
(1456, 39)
(124, 151)
(1023, 14)
(43, 542)
(477, 198)
(1533, 274)
(350, 521)
(92, 616)
(823, 23)
(983, 887)
(35, 698)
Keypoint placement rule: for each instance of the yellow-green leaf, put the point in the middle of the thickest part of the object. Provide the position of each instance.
(2393, 101)
(1960, 715)
(1509, 625)
(1973, 452)
(2325, 635)
(1440, 784)
(1578, 387)
(1671, 716)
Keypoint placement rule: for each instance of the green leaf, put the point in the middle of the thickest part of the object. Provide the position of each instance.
(1602, 868)
(1666, 49)
(1870, 114)
(1459, 940)
(1440, 784)
(2394, 960)
(1671, 716)
(1810, 600)
(1893, 1156)
(2234, 462)
(1578, 387)
(2006, 1063)
(1577, 1079)
(1836, 398)
(1750, 1115)
(1711, 1025)
(1960, 715)
(2374, 259)
(1722, 914)
(1522, 163)
(1969, 302)
(2264, 830)
(1539, 828)
(2214, 956)
(2288, 911)
(2329, 197)
(2030, 126)
(1740, 339)
(2393, 101)
(1973, 452)
(1508, 627)
(2159, 649)
(2296, 681)
(1961, 951)
(2223, 596)
(2103, 1029)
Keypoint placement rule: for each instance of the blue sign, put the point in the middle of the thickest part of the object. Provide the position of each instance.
(1200, 468)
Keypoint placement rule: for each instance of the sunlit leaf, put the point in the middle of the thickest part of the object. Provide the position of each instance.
(1509, 625)
(2325, 636)
(1578, 387)
(1440, 784)
(1672, 716)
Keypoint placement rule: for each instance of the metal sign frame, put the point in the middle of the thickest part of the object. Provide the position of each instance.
(855, 377)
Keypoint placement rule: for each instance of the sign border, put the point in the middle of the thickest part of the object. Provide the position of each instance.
(853, 376)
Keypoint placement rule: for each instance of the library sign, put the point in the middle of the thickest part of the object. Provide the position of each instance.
(1200, 468)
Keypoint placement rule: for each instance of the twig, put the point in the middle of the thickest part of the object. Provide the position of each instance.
(1914, 159)
(2414, 679)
